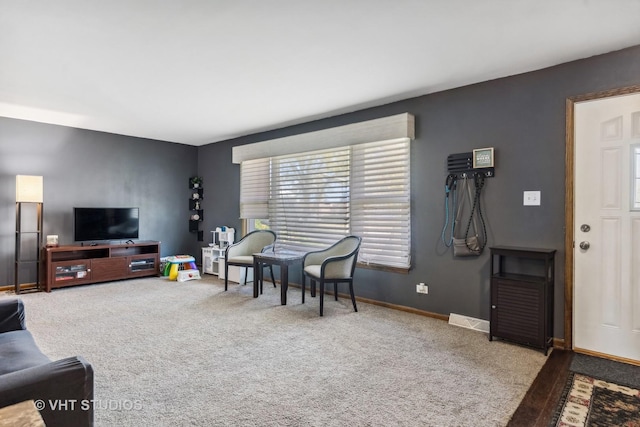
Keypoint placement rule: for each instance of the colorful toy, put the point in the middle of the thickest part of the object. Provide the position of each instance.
(177, 263)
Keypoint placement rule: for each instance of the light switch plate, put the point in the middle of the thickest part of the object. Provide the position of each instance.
(532, 198)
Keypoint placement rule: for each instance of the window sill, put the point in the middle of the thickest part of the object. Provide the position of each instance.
(401, 270)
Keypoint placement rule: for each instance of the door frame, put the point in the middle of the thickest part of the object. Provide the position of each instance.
(569, 200)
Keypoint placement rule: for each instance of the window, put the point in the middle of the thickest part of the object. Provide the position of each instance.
(309, 198)
(254, 194)
(254, 188)
(315, 198)
(380, 202)
(351, 179)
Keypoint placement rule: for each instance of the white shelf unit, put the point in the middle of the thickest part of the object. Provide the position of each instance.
(210, 257)
(213, 263)
(236, 274)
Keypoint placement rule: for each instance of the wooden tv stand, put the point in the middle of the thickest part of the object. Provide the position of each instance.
(80, 265)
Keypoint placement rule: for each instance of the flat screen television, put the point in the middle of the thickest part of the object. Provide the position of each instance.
(92, 224)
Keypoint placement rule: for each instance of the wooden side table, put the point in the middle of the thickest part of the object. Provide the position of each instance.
(23, 414)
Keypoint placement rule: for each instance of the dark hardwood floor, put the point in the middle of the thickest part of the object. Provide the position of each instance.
(538, 405)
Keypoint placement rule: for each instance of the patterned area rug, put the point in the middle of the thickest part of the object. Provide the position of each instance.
(587, 401)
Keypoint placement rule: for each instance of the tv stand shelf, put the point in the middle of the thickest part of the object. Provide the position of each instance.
(80, 265)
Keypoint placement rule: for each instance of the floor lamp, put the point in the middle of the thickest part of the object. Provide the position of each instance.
(29, 195)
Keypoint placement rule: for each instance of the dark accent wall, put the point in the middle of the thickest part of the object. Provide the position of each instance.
(523, 117)
(87, 168)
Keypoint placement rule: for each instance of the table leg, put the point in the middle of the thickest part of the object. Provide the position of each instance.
(284, 283)
(256, 266)
(261, 266)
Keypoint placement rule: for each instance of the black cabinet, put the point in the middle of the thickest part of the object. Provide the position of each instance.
(522, 295)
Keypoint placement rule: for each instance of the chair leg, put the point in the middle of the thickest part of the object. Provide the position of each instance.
(335, 290)
(321, 297)
(246, 274)
(273, 280)
(313, 288)
(353, 297)
(226, 275)
(302, 285)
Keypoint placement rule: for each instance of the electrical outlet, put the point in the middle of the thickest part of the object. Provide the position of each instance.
(531, 198)
(421, 288)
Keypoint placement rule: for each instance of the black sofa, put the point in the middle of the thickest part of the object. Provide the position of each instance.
(63, 387)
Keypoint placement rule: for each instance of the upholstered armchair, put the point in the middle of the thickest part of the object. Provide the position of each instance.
(335, 264)
(241, 253)
(28, 374)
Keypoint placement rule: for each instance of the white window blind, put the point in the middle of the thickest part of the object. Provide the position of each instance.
(314, 199)
(309, 203)
(380, 202)
(254, 188)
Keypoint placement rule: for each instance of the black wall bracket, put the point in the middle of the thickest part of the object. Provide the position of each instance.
(461, 165)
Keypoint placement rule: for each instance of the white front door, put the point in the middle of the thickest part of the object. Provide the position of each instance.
(607, 226)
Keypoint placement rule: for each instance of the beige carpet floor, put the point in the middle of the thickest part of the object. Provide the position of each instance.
(190, 354)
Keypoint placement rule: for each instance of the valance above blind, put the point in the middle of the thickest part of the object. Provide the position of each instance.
(382, 129)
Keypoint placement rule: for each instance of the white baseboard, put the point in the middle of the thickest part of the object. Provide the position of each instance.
(469, 322)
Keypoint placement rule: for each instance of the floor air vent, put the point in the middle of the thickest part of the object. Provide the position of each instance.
(469, 322)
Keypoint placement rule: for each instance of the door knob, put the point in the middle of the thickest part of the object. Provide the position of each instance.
(585, 228)
(584, 245)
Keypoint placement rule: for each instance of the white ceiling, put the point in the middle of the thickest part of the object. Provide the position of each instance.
(201, 71)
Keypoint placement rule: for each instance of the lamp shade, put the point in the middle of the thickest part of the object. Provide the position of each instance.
(29, 188)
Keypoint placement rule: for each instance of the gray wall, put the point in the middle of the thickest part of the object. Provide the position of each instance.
(523, 117)
(86, 168)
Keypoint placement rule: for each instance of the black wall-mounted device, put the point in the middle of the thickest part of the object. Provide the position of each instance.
(461, 165)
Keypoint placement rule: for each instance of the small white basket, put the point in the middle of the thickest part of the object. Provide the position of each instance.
(184, 275)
